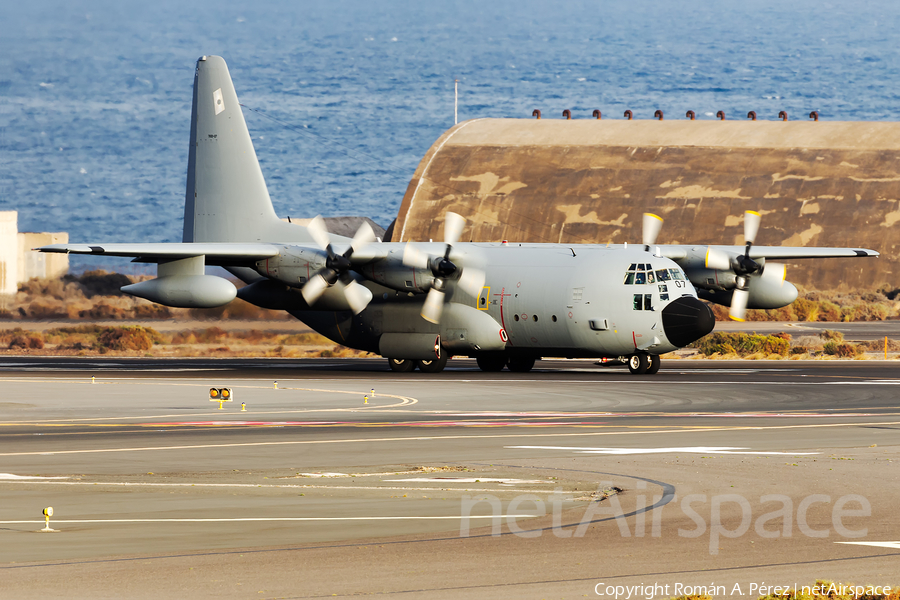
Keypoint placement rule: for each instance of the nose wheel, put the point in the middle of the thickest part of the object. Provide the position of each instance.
(643, 364)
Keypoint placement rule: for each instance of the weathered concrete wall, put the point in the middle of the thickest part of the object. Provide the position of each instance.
(38, 264)
(9, 252)
(18, 262)
(589, 181)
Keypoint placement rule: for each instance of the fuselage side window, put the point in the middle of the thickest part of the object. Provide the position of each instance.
(638, 304)
(648, 298)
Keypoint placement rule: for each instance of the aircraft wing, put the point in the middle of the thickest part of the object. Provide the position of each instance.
(787, 252)
(774, 252)
(215, 253)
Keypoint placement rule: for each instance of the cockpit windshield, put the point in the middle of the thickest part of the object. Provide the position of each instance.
(643, 273)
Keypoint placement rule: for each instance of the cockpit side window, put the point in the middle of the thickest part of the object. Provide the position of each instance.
(640, 278)
(662, 275)
(676, 274)
(629, 278)
(650, 277)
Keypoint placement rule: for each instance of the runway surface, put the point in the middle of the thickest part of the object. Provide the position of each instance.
(347, 479)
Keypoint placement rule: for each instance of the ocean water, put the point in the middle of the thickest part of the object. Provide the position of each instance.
(346, 96)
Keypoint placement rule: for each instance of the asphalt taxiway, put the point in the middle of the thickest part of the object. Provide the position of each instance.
(345, 478)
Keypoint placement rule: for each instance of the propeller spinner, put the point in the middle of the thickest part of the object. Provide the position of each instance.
(743, 267)
(469, 279)
(337, 267)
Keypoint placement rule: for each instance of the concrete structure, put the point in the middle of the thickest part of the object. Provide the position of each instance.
(9, 252)
(17, 261)
(38, 264)
(588, 181)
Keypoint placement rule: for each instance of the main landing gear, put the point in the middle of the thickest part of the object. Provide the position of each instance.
(406, 365)
(643, 364)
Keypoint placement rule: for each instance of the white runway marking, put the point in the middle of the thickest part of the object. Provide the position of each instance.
(276, 519)
(501, 480)
(294, 486)
(436, 438)
(895, 545)
(689, 450)
(11, 477)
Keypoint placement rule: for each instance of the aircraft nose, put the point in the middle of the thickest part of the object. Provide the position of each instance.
(687, 319)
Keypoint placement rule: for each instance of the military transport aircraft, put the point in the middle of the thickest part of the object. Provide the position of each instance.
(418, 303)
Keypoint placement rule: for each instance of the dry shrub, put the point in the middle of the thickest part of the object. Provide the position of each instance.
(132, 337)
(842, 350)
(103, 312)
(878, 345)
(147, 310)
(238, 310)
(184, 337)
(102, 283)
(830, 335)
(305, 339)
(26, 341)
(210, 335)
(742, 344)
(827, 306)
(40, 310)
(812, 343)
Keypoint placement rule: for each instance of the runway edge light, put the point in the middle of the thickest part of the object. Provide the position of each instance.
(47, 512)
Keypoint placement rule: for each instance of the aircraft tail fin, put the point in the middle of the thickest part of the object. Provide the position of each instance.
(226, 199)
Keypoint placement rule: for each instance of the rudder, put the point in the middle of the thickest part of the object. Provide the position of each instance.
(226, 199)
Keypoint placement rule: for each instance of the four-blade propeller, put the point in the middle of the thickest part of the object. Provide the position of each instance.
(468, 279)
(337, 267)
(743, 267)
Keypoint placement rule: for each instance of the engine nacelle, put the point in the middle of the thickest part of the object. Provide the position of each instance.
(185, 291)
(392, 273)
(765, 293)
(293, 266)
